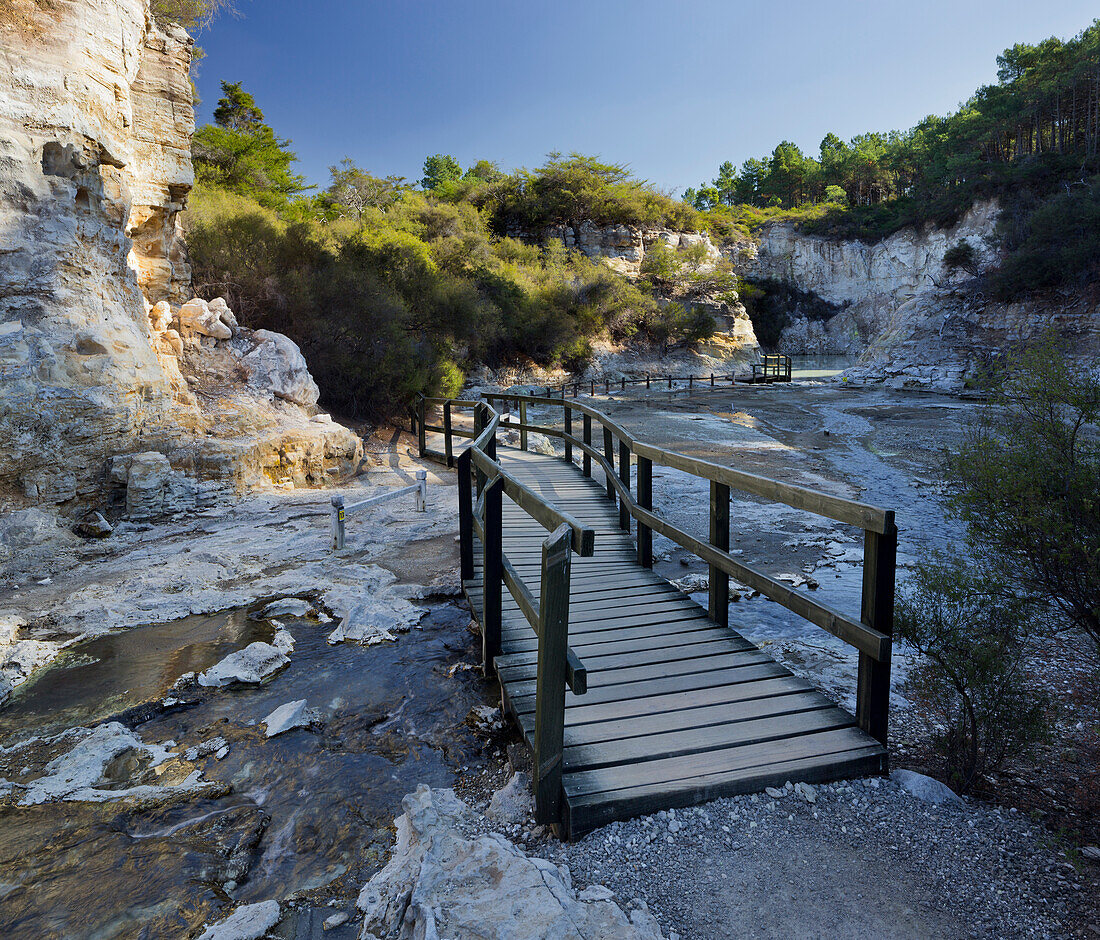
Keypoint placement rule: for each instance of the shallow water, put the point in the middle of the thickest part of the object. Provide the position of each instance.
(308, 812)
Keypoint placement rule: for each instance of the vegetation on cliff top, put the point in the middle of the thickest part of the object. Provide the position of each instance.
(392, 290)
(1032, 140)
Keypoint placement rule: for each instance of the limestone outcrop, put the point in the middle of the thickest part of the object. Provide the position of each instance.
(870, 282)
(96, 361)
(911, 321)
(445, 881)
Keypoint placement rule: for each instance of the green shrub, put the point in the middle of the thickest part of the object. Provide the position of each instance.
(975, 637)
(1027, 480)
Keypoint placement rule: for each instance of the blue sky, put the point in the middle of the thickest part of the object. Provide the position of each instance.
(673, 88)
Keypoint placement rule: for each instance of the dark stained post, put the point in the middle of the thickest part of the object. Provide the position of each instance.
(479, 426)
(609, 456)
(719, 538)
(645, 500)
(587, 438)
(712, 380)
(569, 432)
(623, 384)
(670, 381)
(624, 476)
(448, 445)
(523, 424)
(647, 381)
(491, 570)
(873, 687)
(691, 381)
(465, 516)
(421, 433)
(551, 676)
(593, 386)
(607, 386)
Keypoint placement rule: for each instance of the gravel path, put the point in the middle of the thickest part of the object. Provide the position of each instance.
(865, 859)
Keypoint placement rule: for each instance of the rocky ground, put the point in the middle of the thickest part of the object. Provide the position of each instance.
(863, 858)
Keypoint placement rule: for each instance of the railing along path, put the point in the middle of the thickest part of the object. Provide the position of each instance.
(627, 465)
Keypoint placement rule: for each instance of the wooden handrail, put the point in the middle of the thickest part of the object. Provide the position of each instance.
(871, 635)
(798, 497)
(558, 665)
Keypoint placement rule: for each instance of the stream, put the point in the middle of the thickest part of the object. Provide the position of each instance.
(307, 813)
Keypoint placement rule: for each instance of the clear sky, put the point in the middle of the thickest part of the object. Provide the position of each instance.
(672, 88)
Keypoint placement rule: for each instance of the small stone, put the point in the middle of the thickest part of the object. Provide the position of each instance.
(336, 920)
(94, 526)
(674, 826)
(774, 793)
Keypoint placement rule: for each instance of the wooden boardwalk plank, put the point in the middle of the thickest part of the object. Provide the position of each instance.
(678, 708)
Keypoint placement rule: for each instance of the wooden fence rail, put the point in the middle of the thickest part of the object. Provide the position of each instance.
(558, 666)
(870, 634)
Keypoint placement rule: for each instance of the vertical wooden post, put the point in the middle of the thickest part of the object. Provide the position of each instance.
(609, 456)
(568, 431)
(479, 426)
(491, 573)
(587, 438)
(421, 434)
(647, 381)
(523, 424)
(691, 381)
(623, 388)
(550, 680)
(448, 444)
(645, 500)
(624, 476)
(719, 538)
(465, 516)
(873, 689)
(670, 381)
(607, 386)
(337, 515)
(712, 380)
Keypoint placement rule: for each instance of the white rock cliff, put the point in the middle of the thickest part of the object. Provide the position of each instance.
(95, 362)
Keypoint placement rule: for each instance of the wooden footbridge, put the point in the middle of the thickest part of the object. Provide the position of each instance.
(632, 697)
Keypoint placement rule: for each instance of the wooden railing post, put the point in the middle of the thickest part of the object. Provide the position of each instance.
(421, 433)
(873, 690)
(609, 456)
(492, 578)
(465, 516)
(645, 500)
(479, 426)
(523, 424)
(569, 431)
(719, 538)
(551, 676)
(647, 381)
(448, 445)
(586, 436)
(624, 477)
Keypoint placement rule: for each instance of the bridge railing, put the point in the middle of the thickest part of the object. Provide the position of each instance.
(871, 634)
(558, 666)
(772, 368)
(418, 418)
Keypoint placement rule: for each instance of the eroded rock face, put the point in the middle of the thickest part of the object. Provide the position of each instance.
(441, 883)
(95, 125)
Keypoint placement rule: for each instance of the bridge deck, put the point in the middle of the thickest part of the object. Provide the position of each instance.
(679, 710)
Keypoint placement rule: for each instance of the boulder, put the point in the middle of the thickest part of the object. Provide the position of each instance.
(253, 664)
(146, 485)
(247, 922)
(277, 364)
(287, 717)
(512, 803)
(442, 883)
(925, 788)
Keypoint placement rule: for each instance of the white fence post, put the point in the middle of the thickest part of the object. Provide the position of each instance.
(421, 490)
